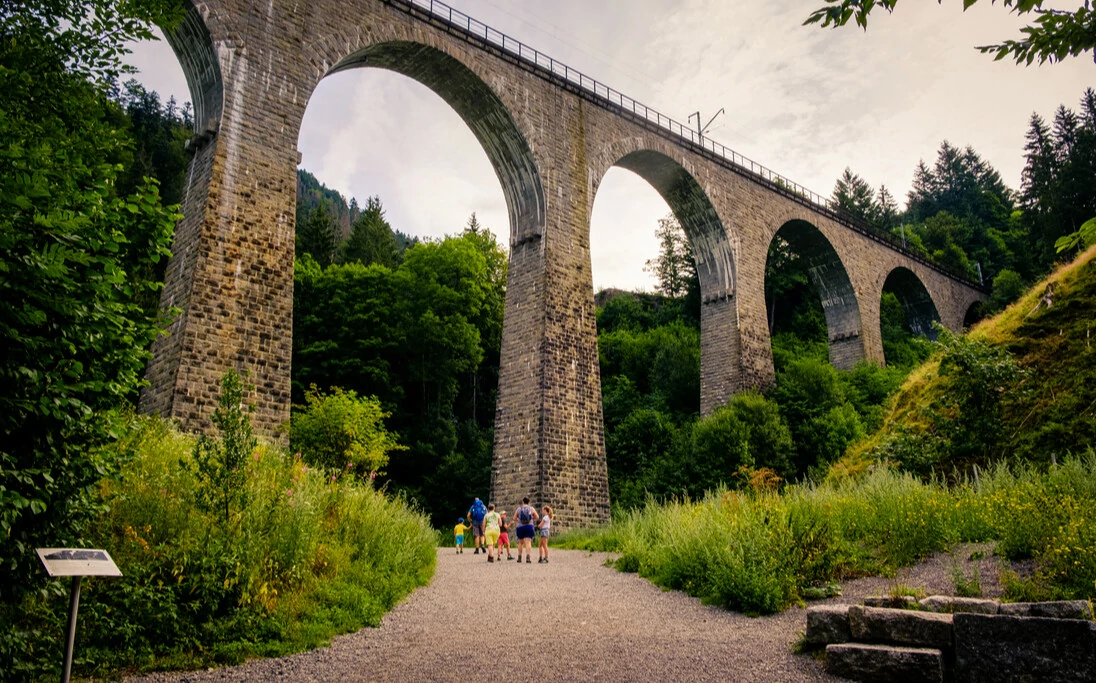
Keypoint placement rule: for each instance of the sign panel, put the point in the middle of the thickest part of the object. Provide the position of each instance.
(77, 562)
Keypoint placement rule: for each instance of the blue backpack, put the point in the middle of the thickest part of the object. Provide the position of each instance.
(525, 515)
(479, 511)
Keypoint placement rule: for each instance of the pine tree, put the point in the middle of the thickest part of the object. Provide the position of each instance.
(317, 236)
(853, 194)
(371, 238)
(886, 209)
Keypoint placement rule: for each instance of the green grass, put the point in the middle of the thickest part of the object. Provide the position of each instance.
(306, 558)
(757, 552)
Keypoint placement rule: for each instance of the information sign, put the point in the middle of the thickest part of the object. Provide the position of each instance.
(78, 562)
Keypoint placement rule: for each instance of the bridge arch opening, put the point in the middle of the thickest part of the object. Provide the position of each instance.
(664, 360)
(804, 277)
(916, 301)
(976, 312)
(482, 112)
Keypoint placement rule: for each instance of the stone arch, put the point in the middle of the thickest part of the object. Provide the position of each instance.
(838, 296)
(921, 310)
(976, 312)
(193, 46)
(713, 254)
(478, 105)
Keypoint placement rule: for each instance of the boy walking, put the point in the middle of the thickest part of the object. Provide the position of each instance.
(458, 535)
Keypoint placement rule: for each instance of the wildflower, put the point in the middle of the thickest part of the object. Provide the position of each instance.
(289, 492)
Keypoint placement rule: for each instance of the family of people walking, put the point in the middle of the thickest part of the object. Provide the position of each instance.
(491, 531)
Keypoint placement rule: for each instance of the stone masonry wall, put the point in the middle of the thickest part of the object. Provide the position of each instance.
(550, 147)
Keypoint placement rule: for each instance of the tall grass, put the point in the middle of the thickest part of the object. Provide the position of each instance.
(757, 551)
(307, 557)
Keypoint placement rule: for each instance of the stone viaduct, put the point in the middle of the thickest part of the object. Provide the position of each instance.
(551, 135)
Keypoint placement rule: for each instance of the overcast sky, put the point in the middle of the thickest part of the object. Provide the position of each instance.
(803, 101)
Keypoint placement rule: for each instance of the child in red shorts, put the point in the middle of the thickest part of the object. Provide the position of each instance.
(504, 536)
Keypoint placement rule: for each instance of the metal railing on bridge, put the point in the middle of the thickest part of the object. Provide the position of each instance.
(457, 22)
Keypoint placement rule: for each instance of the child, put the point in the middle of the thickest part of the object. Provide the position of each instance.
(545, 530)
(504, 536)
(458, 535)
(492, 531)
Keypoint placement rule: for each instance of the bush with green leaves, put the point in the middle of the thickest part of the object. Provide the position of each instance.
(73, 334)
(342, 432)
(219, 460)
(306, 559)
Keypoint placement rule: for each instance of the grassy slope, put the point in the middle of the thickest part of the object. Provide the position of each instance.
(1058, 414)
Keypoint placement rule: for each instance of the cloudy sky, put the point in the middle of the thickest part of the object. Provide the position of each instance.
(803, 101)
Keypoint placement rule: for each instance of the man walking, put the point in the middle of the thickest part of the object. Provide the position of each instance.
(476, 513)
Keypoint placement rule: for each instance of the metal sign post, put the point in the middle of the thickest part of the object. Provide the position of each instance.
(77, 563)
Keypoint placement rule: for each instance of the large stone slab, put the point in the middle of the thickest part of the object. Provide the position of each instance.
(1003, 649)
(949, 605)
(1064, 609)
(828, 624)
(880, 625)
(893, 601)
(885, 663)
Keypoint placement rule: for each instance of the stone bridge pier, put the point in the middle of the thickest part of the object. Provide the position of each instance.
(551, 134)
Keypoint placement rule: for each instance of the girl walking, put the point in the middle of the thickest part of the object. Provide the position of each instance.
(544, 530)
(504, 536)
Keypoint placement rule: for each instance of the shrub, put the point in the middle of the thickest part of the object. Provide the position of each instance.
(342, 432)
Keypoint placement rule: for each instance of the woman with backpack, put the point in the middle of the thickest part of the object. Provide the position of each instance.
(525, 516)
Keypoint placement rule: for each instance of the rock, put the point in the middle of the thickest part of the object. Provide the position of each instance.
(828, 624)
(885, 663)
(951, 605)
(892, 601)
(1065, 609)
(908, 627)
(1006, 648)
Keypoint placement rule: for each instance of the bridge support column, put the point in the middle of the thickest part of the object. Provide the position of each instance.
(549, 439)
(231, 272)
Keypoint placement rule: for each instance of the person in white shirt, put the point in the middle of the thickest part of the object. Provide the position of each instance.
(544, 531)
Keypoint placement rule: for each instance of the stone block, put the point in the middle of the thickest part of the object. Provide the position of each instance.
(907, 627)
(828, 624)
(1064, 609)
(1003, 649)
(951, 605)
(892, 601)
(885, 663)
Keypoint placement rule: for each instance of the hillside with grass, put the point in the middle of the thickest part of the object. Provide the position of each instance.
(1021, 385)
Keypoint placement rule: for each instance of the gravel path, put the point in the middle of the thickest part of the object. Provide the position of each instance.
(571, 620)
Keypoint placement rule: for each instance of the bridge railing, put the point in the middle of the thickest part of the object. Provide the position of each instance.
(452, 18)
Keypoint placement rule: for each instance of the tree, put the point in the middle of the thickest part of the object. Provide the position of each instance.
(1052, 36)
(73, 334)
(853, 194)
(318, 236)
(674, 268)
(886, 209)
(371, 239)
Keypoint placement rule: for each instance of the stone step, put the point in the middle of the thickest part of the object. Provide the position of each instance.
(828, 624)
(951, 605)
(1003, 649)
(905, 627)
(885, 663)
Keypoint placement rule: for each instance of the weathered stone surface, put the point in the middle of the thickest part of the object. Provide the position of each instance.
(881, 625)
(828, 624)
(892, 601)
(551, 143)
(885, 663)
(950, 605)
(1002, 649)
(1063, 609)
